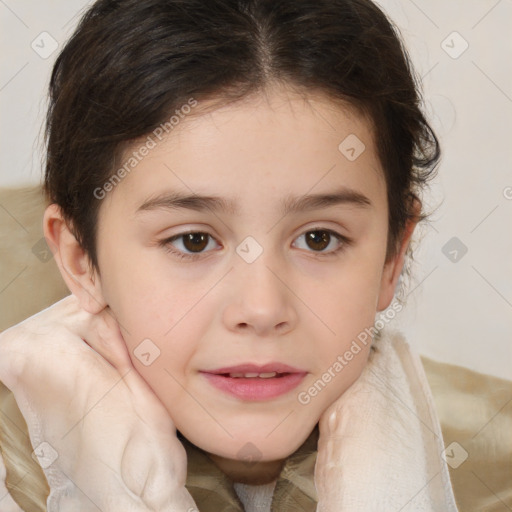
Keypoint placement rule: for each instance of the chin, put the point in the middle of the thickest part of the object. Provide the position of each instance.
(269, 438)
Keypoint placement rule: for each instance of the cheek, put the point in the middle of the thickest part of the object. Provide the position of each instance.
(341, 352)
(346, 306)
(147, 293)
(157, 314)
(346, 299)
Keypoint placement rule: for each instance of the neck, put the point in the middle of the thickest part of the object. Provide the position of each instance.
(252, 473)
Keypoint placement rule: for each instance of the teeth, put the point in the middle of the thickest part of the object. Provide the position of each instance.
(268, 375)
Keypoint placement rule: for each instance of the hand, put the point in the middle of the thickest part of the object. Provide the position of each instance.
(115, 444)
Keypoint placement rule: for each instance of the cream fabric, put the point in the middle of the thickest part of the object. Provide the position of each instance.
(381, 445)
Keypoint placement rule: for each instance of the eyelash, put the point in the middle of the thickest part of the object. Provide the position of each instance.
(166, 244)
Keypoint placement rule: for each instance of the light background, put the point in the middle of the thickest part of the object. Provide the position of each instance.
(459, 306)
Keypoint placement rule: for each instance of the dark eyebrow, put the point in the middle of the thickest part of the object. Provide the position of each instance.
(318, 201)
(178, 200)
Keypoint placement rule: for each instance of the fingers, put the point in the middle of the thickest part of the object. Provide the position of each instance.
(100, 331)
(104, 336)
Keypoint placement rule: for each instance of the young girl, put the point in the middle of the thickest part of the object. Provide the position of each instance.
(232, 189)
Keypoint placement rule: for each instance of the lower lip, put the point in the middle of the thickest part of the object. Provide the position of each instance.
(255, 388)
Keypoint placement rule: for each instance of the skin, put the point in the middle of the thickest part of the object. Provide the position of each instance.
(293, 304)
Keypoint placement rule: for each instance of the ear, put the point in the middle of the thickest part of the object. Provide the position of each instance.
(393, 267)
(73, 262)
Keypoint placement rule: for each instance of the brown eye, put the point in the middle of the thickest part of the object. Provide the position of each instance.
(195, 242)
(318, 240)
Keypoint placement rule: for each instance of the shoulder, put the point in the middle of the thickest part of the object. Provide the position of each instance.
(475, 413)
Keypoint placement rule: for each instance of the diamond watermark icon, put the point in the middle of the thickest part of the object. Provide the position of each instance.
(454, 249)
(146, 352)
(454, 45)
(351, 147)
(44, 45)
(249, 249)
(41, 250)
(454, 455)
(249, 454)
(45, 454)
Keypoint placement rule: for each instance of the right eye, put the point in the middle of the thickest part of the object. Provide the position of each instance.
(194, 241)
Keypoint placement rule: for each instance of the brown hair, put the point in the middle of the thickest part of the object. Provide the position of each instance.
(130, 64)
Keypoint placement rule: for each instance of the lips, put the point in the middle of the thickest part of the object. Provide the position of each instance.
(253, 368)
(255, 382)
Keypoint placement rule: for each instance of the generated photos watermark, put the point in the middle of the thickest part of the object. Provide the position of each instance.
(342, 360)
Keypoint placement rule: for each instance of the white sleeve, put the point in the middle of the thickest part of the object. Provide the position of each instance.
(7, 504)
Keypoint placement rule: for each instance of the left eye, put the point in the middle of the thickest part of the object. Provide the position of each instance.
(320, 239)
(197, 241)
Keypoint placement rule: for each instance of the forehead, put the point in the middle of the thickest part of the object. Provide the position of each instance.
(292, 115)
(275, 143)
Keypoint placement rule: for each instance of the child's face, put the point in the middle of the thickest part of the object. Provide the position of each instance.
(296, 304)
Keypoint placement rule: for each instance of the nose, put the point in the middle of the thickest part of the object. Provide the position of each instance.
(262, 302)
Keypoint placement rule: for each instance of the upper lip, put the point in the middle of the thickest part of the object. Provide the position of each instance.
(255, 368)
